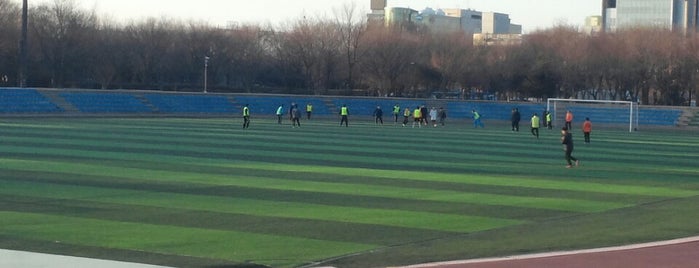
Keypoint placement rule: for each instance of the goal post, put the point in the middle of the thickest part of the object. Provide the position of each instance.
(604, 111)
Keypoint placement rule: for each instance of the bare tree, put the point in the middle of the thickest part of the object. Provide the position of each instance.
(72, 48)
(9, 30)
(450, 55)
(246, 53)
(390, 54)
(313, 45)
(351, 27)
(60, 32)
(106, 54)
(149, 43)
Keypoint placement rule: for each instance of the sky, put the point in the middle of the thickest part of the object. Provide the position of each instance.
(531, 14)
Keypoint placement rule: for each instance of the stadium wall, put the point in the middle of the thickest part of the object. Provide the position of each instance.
(123, 103)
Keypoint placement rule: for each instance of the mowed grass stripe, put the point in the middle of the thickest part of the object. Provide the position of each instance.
(204, 167)
(436, 154)
(228, 245)
(229, 125)
(462, 182)
(477, 179)
(394, 174)
(166, 157)
(351, 142)
(320, 144)
(632, 163)
(482, 160)
(342, 200)
(563, 204)
(409, 219)
(211, 154)
(302, 228)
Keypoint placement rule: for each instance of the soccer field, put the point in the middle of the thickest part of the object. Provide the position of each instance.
(205, 192)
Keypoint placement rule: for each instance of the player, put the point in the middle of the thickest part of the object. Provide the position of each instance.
(344, 113)
(587, 129)
(477, 119)
(567, 141)
(246, 117)
(378, 115)
(536, 122)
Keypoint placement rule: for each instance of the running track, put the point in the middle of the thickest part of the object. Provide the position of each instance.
(679, 253)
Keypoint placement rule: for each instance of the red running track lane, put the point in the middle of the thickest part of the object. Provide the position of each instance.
(679, 253)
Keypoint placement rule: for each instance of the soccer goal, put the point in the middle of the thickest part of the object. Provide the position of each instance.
(600, 111)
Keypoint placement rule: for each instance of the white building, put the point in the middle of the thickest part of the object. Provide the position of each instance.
(445, 20)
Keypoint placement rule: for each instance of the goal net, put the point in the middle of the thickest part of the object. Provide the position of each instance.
(623, 113)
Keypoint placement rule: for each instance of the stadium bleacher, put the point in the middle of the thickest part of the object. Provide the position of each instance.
(102, 102)
(32, 101)
(16, 100)
(190, 103)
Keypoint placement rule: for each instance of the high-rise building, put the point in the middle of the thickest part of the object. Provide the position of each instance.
(496, 23)
(471, 20)
(444, 20)
(669, 14)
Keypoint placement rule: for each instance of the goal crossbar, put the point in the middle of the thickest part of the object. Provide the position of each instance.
(631, 104)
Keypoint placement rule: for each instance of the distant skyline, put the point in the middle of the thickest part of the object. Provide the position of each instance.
(531, 14)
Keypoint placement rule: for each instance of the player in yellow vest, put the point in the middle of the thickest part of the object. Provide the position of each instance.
(246, 116)
(477, 119)
(536, 122)
(396, 112)
(417, 116)
(309, 110)
(344, 112)
(406, 115)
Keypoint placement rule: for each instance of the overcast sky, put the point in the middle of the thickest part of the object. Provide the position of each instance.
(531, 14)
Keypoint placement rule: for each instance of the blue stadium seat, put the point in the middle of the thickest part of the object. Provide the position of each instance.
(19, 100)
(16, 100)
(186, 103)
(98, 102)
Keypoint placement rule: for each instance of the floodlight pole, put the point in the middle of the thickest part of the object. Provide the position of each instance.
(22, 75)
(206, 71)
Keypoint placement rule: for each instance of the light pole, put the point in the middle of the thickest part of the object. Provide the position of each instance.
(22, 77)
(206, 70)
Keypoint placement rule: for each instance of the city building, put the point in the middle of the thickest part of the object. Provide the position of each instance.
(593, 25)
(495, 23)
(438, 21)
(444, 20)
(378, 11)
(669, 14)
(481, 39)
(471, 20)
(400, 16)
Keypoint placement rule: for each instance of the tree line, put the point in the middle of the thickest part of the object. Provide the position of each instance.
(344, 54)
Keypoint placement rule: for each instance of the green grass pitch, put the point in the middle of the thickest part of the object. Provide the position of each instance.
(204, 192)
